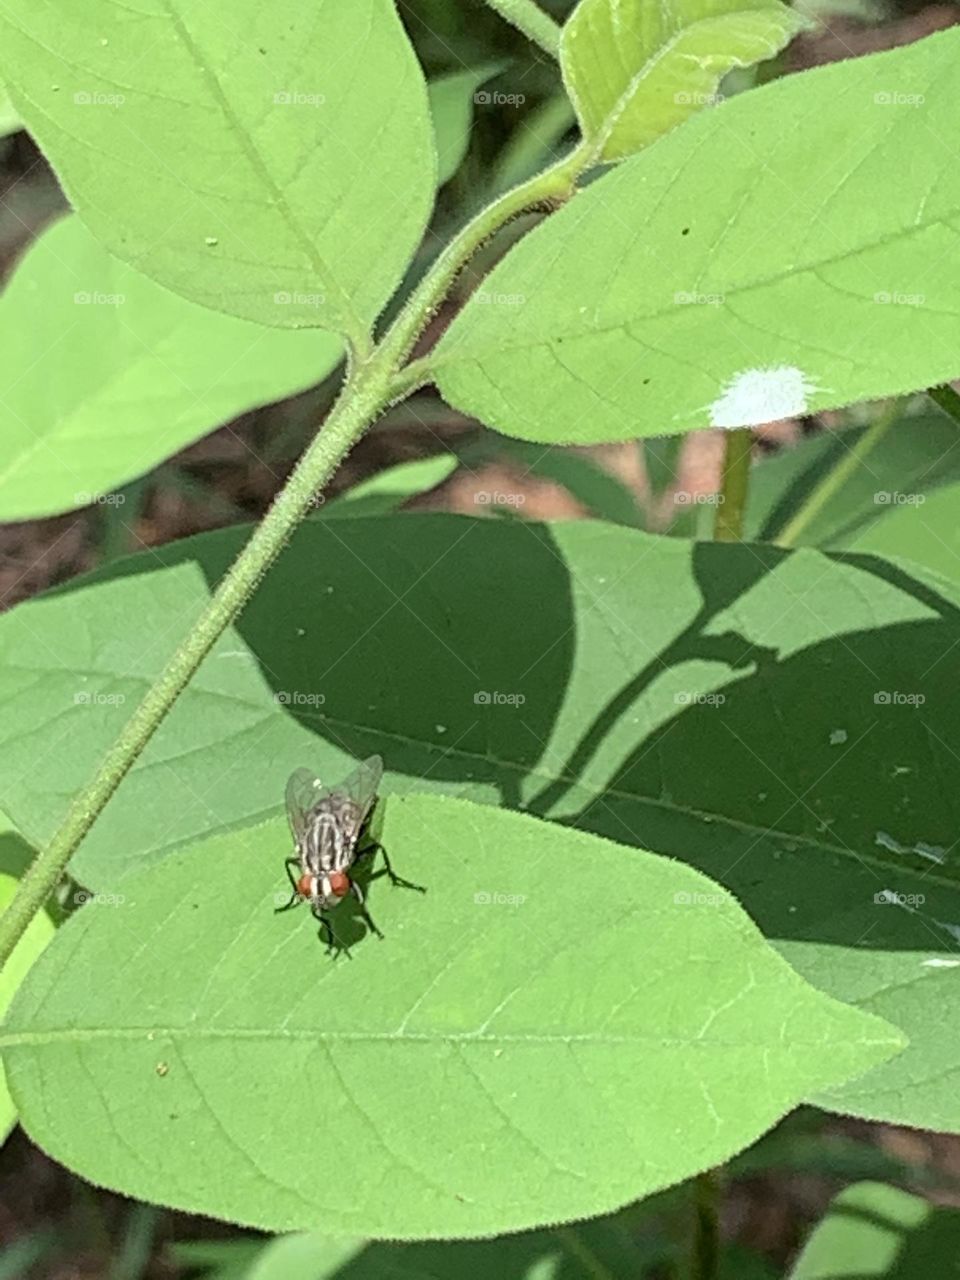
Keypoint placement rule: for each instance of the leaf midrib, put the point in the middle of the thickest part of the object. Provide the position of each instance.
(352, 328)
(12, 1039)
(510, 344)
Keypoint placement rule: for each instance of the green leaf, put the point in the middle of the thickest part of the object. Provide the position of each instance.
(919, 454)
(451, 106)
(637, 68)
(107, 374)
(274, 162)
(737, 272)
(576, 1054)
(391, 488)
(809, 798)
(39, 932)
(872, 1231)
(923, 529)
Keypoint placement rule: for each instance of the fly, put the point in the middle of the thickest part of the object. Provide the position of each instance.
(330, 828)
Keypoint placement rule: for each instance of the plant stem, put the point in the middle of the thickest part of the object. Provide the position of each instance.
(834, 480)
(372, 385)
(738, 448)
(529, 18)
(705, 1259)
(557, 183)
(588, 1261)
(947, 399)
(364, 395)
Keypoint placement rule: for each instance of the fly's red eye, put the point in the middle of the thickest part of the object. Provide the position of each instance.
(339, 883)
(305, 886)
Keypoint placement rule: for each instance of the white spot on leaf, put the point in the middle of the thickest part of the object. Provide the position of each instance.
(755, 396)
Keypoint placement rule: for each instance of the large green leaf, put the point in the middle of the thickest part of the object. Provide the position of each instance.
(637, 68)
(812, 801)
(875, 1232)
(104, 374)
(272, 161)
(520, 1048)
(790, 251)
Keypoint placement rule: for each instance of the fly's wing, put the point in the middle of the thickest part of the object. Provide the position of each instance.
(303, 792)
(354, 797)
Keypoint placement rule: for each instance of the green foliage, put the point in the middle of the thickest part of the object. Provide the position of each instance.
(216, 1036)
(294, 180)
(637, 68)
(734, 887)
(109, 374)
(682, 664)
(677, 293)
(876, 1232)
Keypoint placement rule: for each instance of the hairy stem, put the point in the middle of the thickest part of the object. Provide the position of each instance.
(373, 384)
(364, 395)
(728, 526)
(529, 18)
(555, 184)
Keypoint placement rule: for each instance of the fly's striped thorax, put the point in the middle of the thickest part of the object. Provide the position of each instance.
(325, 847)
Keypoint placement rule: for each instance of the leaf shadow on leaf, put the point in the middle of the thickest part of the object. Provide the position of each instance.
(813, 784)
(420, 639)
(795, 788)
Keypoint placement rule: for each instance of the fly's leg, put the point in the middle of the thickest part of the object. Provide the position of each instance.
(334, 945)
(289, 864)
(368, 919)
(391, 874)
